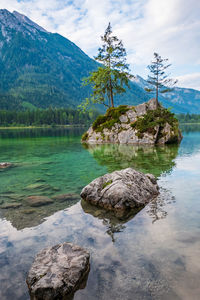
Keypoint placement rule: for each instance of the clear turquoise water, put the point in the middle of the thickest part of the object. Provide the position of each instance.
(152, 255)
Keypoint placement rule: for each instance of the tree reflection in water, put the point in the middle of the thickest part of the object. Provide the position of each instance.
(114, 223)
(156, 208)
(145, 158)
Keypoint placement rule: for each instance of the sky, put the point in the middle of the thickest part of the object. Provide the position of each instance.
(168, 27)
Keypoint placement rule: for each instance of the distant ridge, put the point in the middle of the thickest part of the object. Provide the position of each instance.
(181, 100)
(41, 69)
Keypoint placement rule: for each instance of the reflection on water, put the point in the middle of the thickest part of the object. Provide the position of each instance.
(27, 215)
(151, 159)
(189, 128)
(112, 223)
(153, 254)
(40, 132)
(156, 208)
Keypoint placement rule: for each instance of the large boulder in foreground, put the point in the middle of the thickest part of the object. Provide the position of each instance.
(121, 190)
(142, 124)
(58, 272)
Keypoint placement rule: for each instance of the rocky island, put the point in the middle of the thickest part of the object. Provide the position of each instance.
(142, 124)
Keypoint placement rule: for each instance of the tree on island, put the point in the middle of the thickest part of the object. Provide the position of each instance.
(112, 76)
(158, 79)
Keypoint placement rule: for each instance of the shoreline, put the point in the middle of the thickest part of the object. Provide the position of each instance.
(40, 127)
(195, 123)
(63, 126)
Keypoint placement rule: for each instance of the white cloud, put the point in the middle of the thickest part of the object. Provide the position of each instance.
(172, 27)
(190, 81)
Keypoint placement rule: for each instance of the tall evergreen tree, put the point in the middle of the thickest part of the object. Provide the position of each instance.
(112, 77)
(158, 78)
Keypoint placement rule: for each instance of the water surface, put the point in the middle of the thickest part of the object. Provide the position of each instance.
(154, 254)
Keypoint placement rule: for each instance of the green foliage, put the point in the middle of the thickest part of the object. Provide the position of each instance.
(110, 118)
(111, 78)
(188, 118)
(50, 116)
(84, 136)
(152, 118)
(44, 70)
(107, 183)
(158, 79)
(28, 106)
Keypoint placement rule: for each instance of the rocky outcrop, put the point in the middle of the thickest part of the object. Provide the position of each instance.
(142, 124)
(58, 272)
(121, 190)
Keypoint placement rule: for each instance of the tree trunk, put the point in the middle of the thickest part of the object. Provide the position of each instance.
(156, 96)
(111, 94)
(157, 88)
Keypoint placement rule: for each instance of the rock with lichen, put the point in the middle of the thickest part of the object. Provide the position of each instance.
(57, 272)
(120, 191)
(142, 124)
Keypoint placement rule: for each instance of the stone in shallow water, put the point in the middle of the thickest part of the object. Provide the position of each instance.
(58, 272)
(11, 205)
(38, 200)
(66, 197)
(38, 186)
(5, 165)
(121, 190)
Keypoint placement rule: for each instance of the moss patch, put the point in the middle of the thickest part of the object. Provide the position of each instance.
(152, 118)
(106, 184)
(85, 136)
(110, 118)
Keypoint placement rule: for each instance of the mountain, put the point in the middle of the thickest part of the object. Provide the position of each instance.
(181, 100)
(41, 69)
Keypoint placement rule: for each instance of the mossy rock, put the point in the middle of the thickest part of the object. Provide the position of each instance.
(152, 118)
(146, 123)
(110, 118)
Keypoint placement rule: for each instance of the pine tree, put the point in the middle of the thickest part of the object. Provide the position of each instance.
(158, 79)
(112, 77)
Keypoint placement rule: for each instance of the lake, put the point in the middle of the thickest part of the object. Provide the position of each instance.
(154, 254)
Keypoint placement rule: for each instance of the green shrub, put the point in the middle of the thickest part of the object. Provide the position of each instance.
(85, 136)
(110, 118)
(152, 118)
(100, 120)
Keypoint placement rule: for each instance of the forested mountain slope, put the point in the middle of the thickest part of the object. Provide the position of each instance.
(42, 69)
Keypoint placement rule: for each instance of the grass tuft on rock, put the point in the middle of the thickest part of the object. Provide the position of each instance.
(152, 118)
(106, 184)
(84, 137)
(110, 118)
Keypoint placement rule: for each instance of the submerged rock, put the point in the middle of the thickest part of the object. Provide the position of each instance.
(38, 186)
(142, 124)
(65, 197)
(121, 190)
(58, 272)
(38, 200)
(10, 205)
(5, 165)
